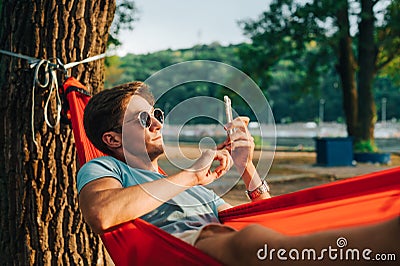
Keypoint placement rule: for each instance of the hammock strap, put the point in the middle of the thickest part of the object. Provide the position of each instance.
(50, 77)
(50, 80)
(87, 60)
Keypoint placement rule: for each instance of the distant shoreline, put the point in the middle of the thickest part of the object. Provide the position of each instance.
(292, 137)
(292, 130)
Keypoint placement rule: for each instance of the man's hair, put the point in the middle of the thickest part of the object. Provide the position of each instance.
(106, 110)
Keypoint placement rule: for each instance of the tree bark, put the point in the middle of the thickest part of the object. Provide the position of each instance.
(40, 222)
(367, 55)
(346, 68)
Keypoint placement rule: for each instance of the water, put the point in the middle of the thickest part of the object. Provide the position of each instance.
(294, 136)
(385, 145)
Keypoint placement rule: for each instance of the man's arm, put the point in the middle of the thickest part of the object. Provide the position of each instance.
(224, 206)
(105, 203)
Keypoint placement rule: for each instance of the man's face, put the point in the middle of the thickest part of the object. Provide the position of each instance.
(139, 140)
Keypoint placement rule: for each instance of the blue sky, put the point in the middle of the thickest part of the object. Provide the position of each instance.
(178, 24)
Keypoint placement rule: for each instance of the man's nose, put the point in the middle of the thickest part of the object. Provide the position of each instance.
(155, 124)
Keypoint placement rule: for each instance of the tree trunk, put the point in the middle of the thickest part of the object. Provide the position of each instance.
(347, 67)
(367, 54)
(40, 222)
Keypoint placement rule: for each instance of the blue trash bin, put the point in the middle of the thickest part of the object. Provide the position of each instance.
(334, 151)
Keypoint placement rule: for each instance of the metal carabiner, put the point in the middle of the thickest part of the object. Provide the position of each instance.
(37, 67)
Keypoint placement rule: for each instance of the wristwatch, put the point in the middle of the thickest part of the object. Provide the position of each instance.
(258, 191)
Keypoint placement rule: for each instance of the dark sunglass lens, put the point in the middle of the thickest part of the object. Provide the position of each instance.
(158, 114)
(144, 119)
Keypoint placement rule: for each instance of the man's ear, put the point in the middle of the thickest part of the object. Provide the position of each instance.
(112, 139)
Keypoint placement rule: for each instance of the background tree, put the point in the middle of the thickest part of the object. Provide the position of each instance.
(319, 28)
(40, 223)
(124, 18)
(294, 99)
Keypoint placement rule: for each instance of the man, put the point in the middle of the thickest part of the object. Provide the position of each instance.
(127, 184)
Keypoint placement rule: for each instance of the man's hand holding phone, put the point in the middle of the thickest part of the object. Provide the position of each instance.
(240, 145)
(239, 141)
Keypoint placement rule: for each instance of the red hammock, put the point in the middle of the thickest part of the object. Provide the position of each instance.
(356, 201)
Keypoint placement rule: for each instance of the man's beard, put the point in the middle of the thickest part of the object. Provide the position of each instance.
(154, 151)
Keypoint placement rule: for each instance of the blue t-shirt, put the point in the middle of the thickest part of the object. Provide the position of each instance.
(189, 210)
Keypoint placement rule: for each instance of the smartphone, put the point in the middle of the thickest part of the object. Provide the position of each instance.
(228, 112)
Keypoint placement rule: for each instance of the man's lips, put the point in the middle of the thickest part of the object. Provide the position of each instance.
(156, 138)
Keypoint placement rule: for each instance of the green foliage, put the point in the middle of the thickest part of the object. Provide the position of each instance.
(391, 71)
(125, 15)
(141, 67)
(287, 32)
(365, 146)
(309, 35)
(258, 142)
(113, 71)
(388, 36)
(292, 57)
(291, 98)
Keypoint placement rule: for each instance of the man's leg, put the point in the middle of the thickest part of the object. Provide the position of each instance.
(257, 245)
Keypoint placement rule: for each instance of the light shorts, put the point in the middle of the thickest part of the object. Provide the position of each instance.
(207, 230)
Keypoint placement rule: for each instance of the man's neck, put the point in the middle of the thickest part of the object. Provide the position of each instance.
(141, 163)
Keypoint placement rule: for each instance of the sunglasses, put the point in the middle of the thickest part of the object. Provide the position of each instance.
(145, 117)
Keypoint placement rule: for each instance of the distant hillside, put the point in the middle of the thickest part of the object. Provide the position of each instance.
(289, 102)
(140, 67)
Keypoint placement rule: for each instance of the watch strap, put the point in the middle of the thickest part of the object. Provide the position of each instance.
(258, 191)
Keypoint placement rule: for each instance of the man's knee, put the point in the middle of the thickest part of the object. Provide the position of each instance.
(240, 247)
(256, 231)
(254, 236)
(243, 240)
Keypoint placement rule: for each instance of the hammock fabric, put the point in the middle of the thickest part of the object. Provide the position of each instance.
(77, 97)
(356, 201)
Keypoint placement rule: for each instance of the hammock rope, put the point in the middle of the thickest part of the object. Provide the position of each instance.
(50, 81)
